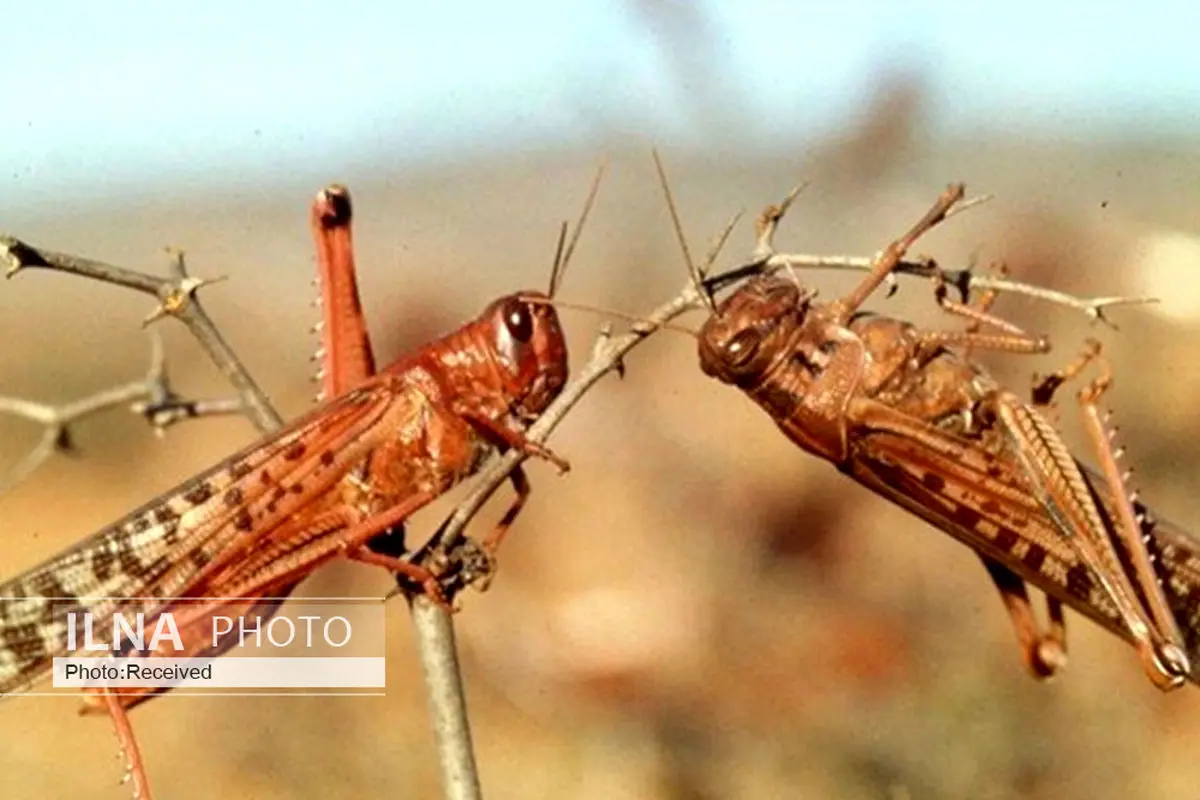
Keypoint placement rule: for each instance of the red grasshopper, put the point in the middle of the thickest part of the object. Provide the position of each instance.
(325, 486)
(895, 408)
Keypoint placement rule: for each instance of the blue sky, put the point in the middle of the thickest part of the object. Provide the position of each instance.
(107, 93)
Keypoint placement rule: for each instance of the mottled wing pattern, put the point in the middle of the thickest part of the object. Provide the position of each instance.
(982, 500)
(157, 551)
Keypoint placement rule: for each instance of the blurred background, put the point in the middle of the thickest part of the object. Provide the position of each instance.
(698, 610)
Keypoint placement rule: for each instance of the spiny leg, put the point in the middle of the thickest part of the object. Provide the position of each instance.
(1043, 652)
(346, 355)
(135, 770)
(1127, 530)
(1067, 499)
(348, 360)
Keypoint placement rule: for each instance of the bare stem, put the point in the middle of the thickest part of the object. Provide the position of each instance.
(447, 704)
(176, 297)
(966, 280)
(766, 260)
(151, 397)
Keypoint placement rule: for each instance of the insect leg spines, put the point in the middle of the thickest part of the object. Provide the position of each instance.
(135, 770)
(1066, 497)
(347, 361)
(347, 356)
(1126, 525)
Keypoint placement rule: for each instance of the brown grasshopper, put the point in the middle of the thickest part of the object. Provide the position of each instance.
(907, 413)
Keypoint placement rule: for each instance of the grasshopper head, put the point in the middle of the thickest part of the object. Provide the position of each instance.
(527, 341)
(751, 328)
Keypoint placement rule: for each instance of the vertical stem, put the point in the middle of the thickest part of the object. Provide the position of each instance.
(258, 408)
(447, 705)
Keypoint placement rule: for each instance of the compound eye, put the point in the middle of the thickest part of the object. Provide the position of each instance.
(518, 321)
(743, 347)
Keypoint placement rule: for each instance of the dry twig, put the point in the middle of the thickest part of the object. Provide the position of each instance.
(766, 259)
(152, 397)
(176, 297)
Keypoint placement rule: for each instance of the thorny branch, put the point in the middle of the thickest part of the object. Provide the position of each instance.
(766, 259)
(152, 398)
(176, 297)
(965, 280)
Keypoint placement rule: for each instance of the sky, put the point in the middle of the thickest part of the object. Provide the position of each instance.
(104, 94)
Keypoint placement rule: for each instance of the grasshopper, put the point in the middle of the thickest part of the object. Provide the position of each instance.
(239, 536)
(909, 414)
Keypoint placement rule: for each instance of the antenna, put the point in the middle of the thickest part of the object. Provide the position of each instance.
(562, 257)
(696, 274)
(637, 323)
